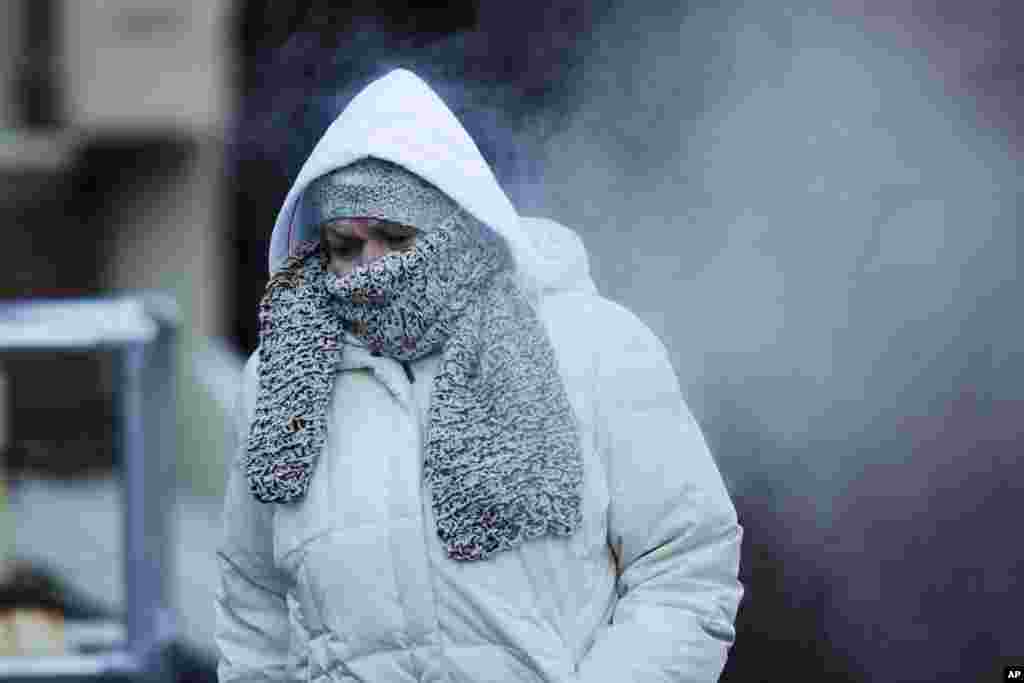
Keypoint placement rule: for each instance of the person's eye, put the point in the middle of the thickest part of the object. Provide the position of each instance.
(399, 241)
(344, 249)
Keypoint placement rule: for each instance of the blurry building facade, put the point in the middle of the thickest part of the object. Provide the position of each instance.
(112, 124)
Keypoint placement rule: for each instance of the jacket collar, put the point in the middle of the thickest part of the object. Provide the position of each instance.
(389, 371)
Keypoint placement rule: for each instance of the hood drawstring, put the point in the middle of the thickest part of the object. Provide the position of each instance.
(408, 371)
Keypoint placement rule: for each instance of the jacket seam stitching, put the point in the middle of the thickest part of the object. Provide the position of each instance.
(247, 575)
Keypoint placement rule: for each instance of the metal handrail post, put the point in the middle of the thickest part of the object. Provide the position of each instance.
(148, 467)
(142, 333)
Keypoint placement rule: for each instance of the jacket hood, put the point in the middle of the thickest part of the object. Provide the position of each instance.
(560, 262)
(399, 118)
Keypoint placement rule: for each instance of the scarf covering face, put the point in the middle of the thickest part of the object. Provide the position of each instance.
(502, 457)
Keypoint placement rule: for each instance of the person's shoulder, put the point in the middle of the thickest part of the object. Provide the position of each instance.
(252, 364)
(250, 379)
(571, 313)
(602, 329)
(593, 314)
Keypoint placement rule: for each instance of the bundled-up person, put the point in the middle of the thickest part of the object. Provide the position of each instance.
(456, 460)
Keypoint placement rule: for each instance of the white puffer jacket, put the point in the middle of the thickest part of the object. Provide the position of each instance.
(352, 583)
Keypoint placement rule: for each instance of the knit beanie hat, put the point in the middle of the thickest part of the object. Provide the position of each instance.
(375, 188)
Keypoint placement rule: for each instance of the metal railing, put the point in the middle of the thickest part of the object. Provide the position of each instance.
(140, 330)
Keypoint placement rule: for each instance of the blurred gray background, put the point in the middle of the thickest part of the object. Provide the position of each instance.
(816, 206)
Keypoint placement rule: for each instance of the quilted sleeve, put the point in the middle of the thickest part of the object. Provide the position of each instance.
(252, 625)
(672, 524)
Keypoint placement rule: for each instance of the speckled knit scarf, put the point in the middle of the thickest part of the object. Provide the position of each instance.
(502, 457)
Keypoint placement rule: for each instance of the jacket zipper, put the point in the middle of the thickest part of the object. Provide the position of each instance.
(405, 366)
